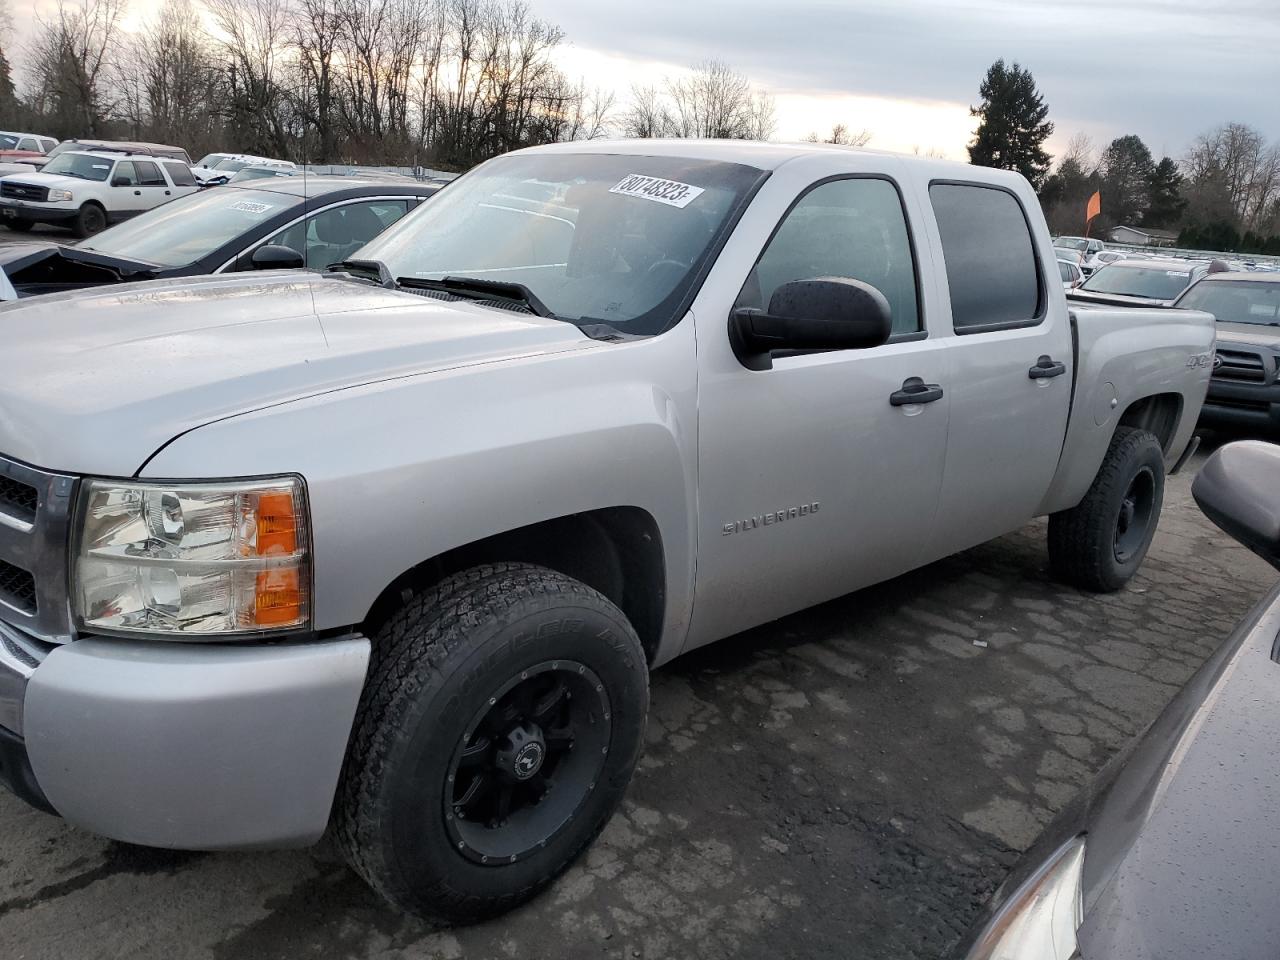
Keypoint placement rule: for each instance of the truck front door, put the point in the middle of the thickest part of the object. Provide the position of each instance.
(1010, 362)
(811, 482)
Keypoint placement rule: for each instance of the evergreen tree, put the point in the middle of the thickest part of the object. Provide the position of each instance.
(1164, 195)
(1126, 169)
(1012, 127)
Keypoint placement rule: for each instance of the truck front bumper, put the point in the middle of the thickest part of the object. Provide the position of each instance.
(1248, 406)
(35, 212)
(193, 746)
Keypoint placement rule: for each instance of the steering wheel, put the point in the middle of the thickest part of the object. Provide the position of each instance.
(665, 264)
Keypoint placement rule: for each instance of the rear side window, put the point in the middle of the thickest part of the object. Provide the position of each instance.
(149, 174)
(992, 269)
(47, 145)
(852, 228)
(180, 174)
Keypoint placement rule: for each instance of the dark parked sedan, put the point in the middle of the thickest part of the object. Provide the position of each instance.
(1172, 853)
(290, 222)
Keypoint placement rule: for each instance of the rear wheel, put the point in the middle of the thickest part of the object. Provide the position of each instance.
(497, 732)
(90, 220)
(1100, 543)
(21, 226)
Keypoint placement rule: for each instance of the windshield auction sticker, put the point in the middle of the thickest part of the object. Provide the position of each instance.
(671, 192)
(250, 206)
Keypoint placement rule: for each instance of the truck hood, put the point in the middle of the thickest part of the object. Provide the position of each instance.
(51, 180)
(94, 382)
(1251, 333)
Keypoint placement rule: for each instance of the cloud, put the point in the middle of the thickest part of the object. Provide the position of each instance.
(1164, 69)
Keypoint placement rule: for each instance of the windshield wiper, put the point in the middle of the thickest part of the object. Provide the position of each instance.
(475, 288)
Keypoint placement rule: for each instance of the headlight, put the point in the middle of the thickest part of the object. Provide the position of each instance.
(60, 195)
(1040, 920)
(193, 558)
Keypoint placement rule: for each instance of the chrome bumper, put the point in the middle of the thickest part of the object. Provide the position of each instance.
(193, 746)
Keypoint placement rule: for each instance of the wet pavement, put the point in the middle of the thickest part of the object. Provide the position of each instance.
(852, 781)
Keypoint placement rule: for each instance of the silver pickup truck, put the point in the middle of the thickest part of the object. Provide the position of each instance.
(391, 551)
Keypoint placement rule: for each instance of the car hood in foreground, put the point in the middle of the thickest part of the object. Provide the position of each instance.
(96, 381)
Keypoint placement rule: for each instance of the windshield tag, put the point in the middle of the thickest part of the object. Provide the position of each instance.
(1176, 273)
(250, 206)
(671, 192)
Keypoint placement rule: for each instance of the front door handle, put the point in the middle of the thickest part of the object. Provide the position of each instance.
(1047, 367)
(915, 390)
(137, 193)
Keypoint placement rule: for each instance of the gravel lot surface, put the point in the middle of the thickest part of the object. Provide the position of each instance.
(853, 781)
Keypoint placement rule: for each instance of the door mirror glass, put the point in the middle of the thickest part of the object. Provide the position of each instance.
(272, 256)
(1237, 490)
(826, 313)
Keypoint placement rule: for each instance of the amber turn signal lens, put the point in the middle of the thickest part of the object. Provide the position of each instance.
(277, 524)
(278, 598)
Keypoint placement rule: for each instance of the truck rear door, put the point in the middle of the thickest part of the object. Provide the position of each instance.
(1009, 370)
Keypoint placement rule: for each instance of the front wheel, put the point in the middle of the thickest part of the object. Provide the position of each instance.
(1100, 543)
(90, 220)
(499, 728)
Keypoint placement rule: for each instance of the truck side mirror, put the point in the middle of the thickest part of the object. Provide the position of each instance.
(826, 313)
(274, 256)
(1237, 490)
(121, 182)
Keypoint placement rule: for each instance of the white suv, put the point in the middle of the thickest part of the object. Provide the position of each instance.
(218, 168)
(87, 190)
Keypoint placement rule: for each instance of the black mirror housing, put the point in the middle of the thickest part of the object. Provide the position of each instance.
(274, 256)
(120, 181)
(1239, 490)
(825, 313)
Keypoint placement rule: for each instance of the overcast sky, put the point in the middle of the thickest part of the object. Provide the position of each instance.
(907, 70)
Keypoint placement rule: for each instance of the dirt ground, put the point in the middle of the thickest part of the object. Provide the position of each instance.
(853, 781)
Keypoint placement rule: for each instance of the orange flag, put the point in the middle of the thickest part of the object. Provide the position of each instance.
(1095, 206)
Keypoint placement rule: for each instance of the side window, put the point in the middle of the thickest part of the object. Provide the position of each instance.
(179, 173)
(28, 143)
(124, 171)
(334, 235)
(149, 174)
(992, 269)
(293, 237)
(47, 145)
(851, 228)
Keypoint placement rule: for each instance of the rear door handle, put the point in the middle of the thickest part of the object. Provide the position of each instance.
(137, 193)
(915, 390)
(1047, 367)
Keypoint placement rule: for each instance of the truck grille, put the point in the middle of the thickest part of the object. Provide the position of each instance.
(17, 587)
(35, 507)
(18, 499)
(1240, 366)
(23, 191)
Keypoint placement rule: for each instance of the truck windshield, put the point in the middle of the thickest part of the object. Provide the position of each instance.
(1236, 301)
(184, 230)
(82, 165)
(1071, 243)
(606, 239)
(1155, 282)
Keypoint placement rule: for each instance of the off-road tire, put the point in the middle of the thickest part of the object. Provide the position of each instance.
(1083, 540)
(90, 220)
(441, 656)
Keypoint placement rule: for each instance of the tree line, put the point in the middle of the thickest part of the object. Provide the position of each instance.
(1223, 194)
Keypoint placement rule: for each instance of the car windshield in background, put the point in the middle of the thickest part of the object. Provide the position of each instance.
(1236, 301)
(184, 230)
(7, 142)
(209, 159)
(1157, 283)
(230, 165)
(1064, 244)
(82, 165)
(611, 239)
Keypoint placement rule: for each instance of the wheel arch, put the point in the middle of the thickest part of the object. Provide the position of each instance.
(615, 550)
(1158, 414)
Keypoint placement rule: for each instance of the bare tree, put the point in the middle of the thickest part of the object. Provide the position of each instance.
(69, 61)
(713, 101)
(253, 38)
(1233, 162)
(842, 135)
(647, 117)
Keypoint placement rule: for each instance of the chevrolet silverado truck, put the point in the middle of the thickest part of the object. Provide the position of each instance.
(390, 551)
